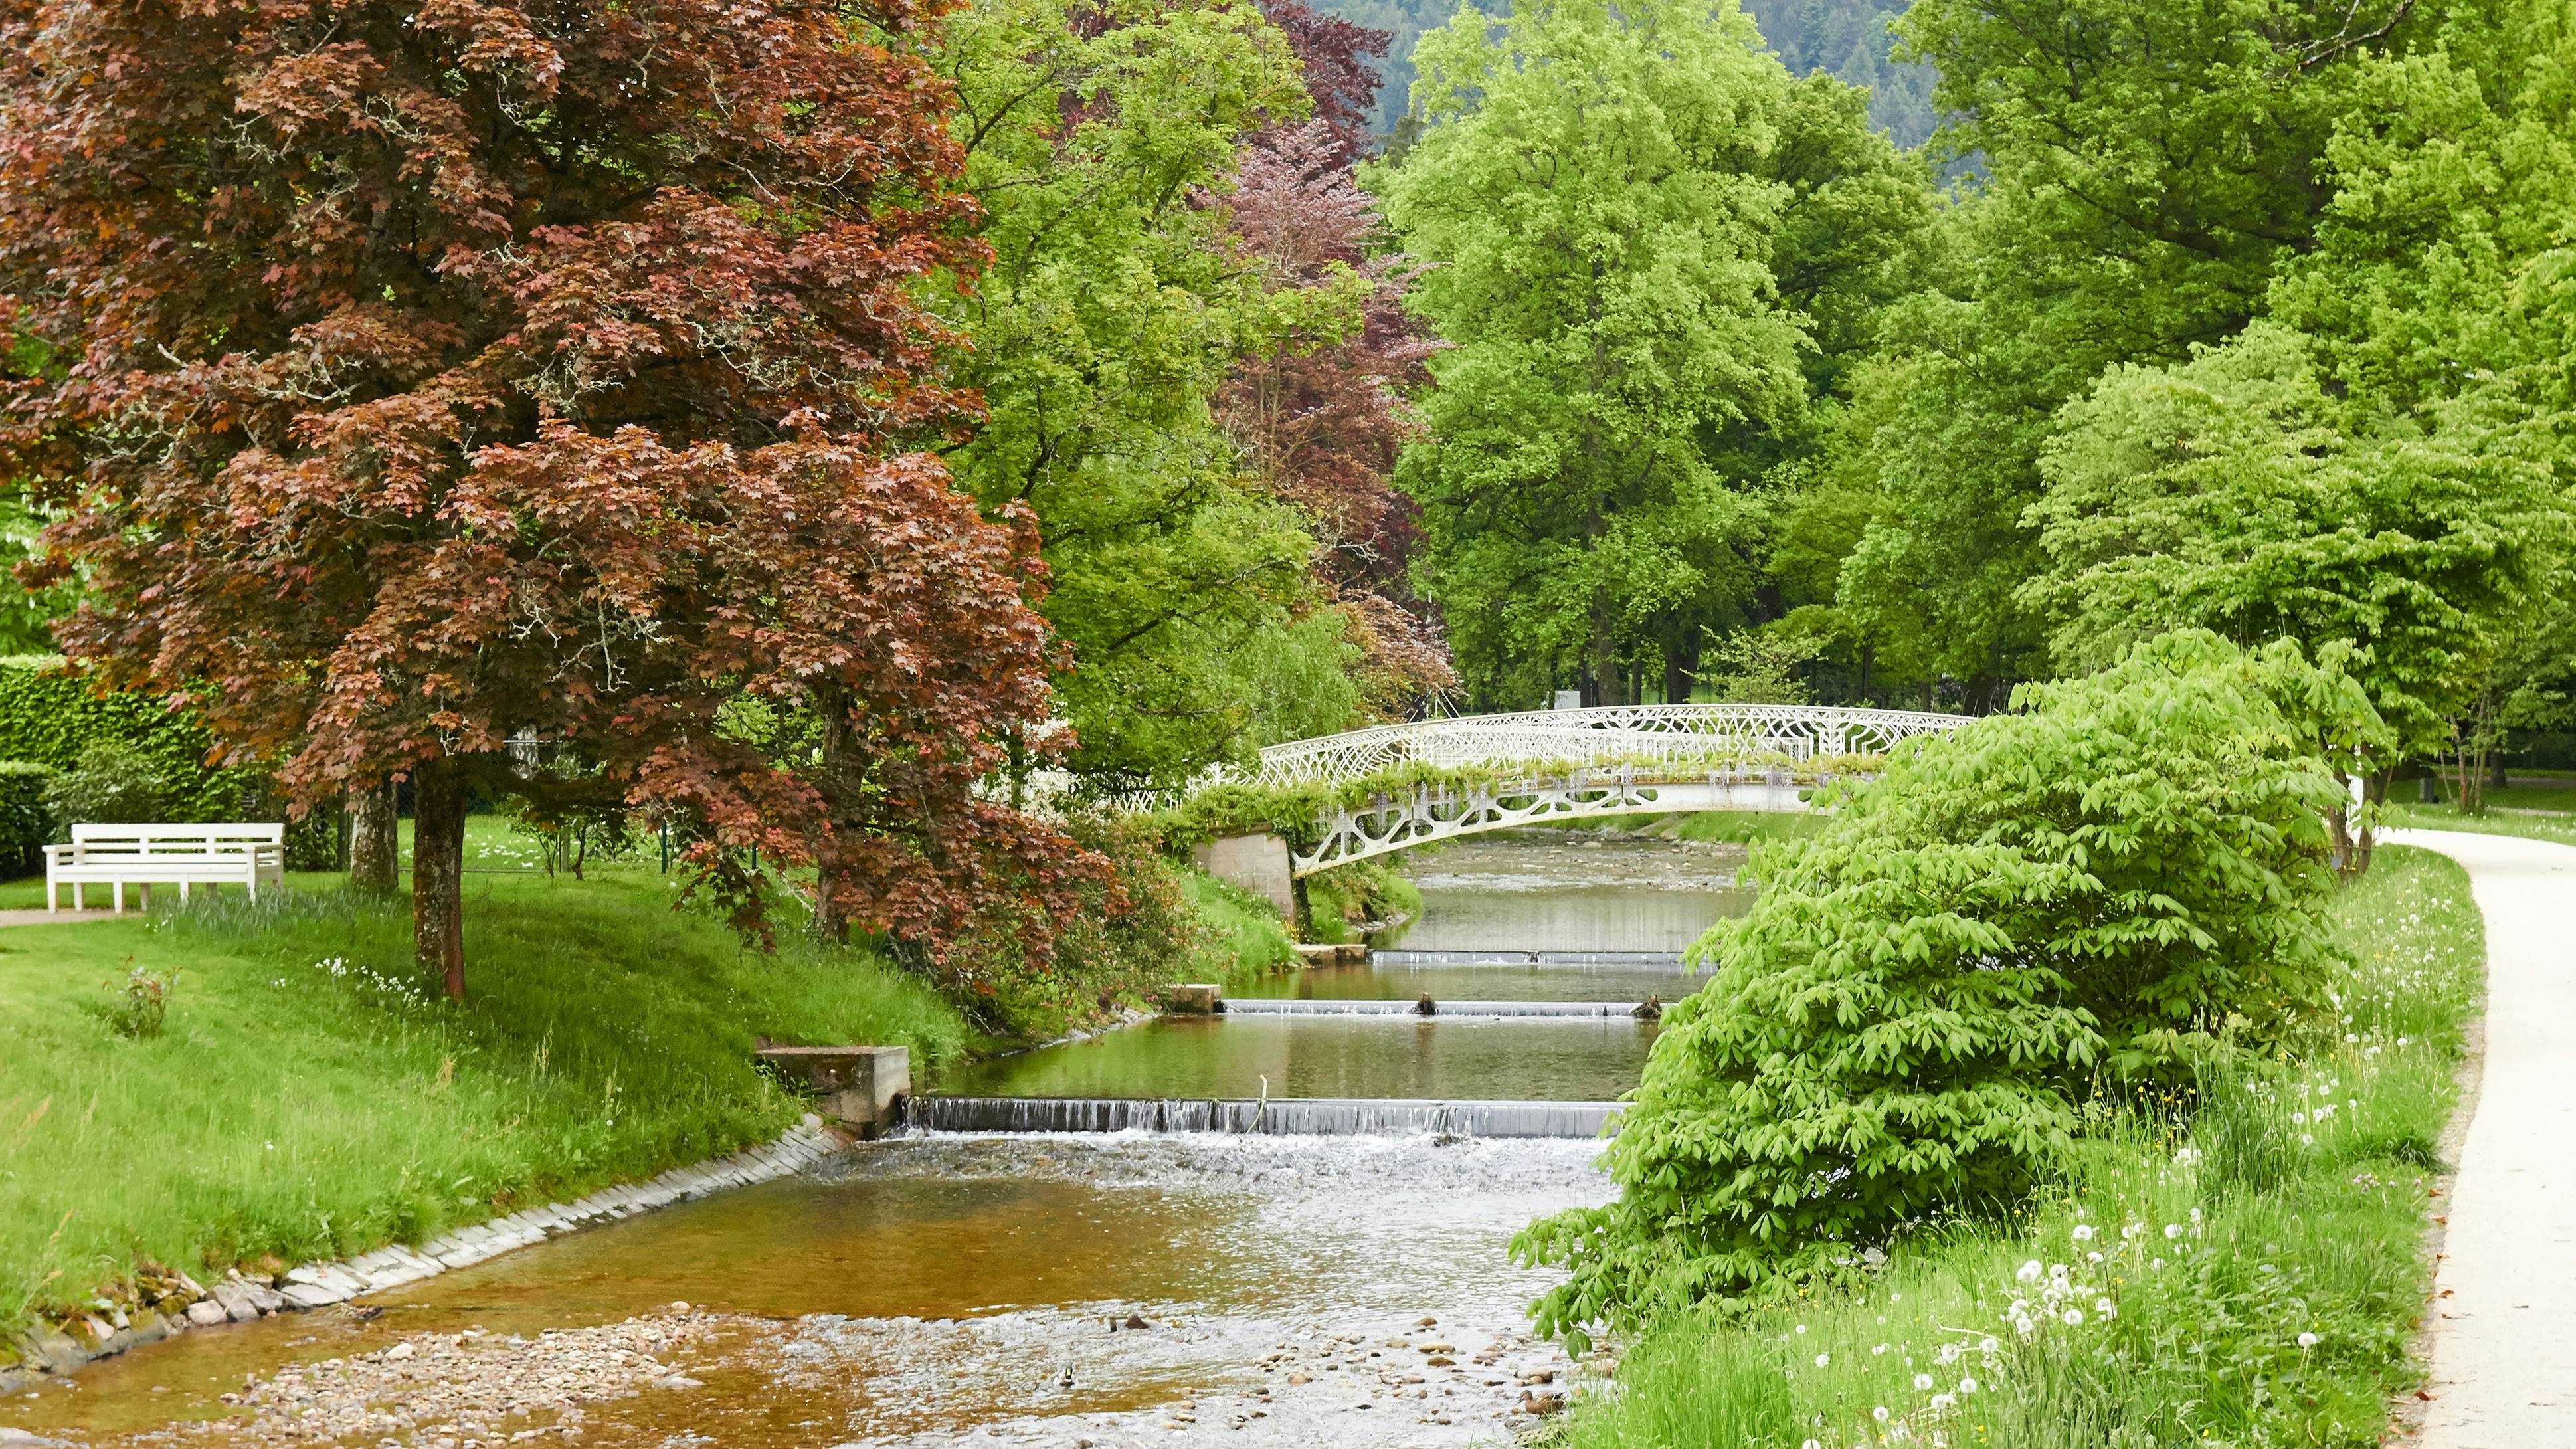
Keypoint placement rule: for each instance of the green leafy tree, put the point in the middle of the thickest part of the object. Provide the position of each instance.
(1108, 318)
(2148, 168)
(1595, 197)
(1905, 1021)
(2232, 492)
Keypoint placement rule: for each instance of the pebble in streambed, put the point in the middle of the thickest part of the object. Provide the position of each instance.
(446, 1391)
(1427, 1382)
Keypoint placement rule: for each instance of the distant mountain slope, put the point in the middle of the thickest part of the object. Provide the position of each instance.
(1845, 37)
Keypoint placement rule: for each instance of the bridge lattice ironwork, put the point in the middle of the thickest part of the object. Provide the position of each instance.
(1639, 736)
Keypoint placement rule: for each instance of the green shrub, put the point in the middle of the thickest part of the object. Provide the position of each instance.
(26, 823)
(2105, 878)
(113, 782)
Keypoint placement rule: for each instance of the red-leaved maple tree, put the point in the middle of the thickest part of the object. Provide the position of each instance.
(432, 374)
(1322, 417)
(1334, 56)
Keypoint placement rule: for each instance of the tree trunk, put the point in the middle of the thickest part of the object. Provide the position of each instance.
(438, 876)
(375, 841)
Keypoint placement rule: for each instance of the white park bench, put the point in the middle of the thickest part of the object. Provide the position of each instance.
(145, 855)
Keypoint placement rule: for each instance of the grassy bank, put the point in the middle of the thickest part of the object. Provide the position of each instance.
(2248, 1279)
(307, 1096)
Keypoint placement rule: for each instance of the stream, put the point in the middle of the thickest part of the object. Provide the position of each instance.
(1331, 1270)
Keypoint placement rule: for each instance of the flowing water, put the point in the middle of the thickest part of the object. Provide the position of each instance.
(1328, 1265)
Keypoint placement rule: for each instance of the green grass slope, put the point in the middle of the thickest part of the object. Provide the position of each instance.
(309, 1097)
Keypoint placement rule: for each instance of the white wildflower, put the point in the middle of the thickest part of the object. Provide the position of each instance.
(1879, 1413)
(1944, 1403)
(1823, 1359)
(2028, 1272)
(2074, 1317)
(1922, 1381)
(1968, 1385)
(2307, 1340)
(2172, 1231)
(2083, 1232)
(1986, 1345)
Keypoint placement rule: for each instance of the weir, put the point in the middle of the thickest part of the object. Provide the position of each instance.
(1296, 1117)
(1525, 958)
(1326, 1006)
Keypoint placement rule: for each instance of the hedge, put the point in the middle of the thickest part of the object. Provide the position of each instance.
(25, 823)
(49, 714)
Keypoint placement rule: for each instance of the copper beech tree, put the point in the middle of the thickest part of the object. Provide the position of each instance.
(427, 375)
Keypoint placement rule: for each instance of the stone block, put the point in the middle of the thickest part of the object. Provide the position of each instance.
(1344, 953)
(1258, 863)
(1198, 998)
(206, 1313)
(858, 1086)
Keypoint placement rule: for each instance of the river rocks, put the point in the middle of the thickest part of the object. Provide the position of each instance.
(438, 1388)
(206, 1313)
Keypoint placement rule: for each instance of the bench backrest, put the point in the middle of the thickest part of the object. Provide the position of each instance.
(179, 839)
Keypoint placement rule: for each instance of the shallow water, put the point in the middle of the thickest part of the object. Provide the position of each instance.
(937, 1285)
(1555, 890)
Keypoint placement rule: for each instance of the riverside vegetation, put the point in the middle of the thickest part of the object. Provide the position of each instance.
(2093, 1115)
(307, 1093)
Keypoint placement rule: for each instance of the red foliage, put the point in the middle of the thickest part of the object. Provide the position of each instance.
(1322, 417)
(1335, 54)
(440, 372)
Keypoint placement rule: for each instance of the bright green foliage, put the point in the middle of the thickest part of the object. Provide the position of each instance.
(2231, 493)
(50, 716)
(2454, 206)
(2153, 160)
(1904, 1022)
(26, 822)
(1109, 315)
(2216, 1261)
(2149, 168)
(1597, 196)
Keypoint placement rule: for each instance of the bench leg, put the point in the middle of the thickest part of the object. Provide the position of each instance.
(80, 896)
(118, 890)
(183, 890)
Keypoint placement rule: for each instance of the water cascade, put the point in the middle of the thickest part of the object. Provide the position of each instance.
(1326, 1006)
(1286, 1117)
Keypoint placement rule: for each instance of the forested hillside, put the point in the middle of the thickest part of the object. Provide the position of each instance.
(1847, 39)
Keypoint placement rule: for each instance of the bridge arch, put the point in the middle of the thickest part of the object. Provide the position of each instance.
(1542, 765)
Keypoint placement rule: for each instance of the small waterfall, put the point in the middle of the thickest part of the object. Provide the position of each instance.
(1525, 958)
(1442, 1010)
(1293, 1117)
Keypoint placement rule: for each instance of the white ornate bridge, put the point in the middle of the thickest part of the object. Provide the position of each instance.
(1577, 763)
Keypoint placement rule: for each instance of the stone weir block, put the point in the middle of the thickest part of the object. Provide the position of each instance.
(1196, 998)
(861, 1087)
(1319, 953)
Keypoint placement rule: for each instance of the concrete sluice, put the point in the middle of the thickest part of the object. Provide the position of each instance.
(1291, 1117)
(1327, 1006)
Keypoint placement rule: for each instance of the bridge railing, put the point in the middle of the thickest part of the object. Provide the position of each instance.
(1638, 734)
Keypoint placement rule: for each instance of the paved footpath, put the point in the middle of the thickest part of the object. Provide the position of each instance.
(2504, 1341)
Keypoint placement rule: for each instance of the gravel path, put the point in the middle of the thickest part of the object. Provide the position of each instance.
(2504, 1343)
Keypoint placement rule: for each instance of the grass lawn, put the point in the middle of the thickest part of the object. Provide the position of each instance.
(308, 1096)
(2252, 1279)
(2561, 828)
